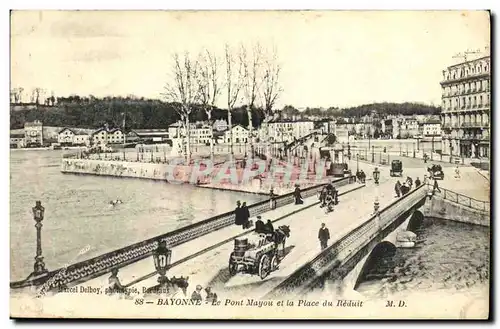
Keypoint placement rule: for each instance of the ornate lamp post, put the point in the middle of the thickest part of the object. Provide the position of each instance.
(162, 257)
(376, 175)
(39, 267)
(376, 205)
(373, 154)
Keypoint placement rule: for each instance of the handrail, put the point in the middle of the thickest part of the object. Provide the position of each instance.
(469, 200)
(104, 263)
(350, 241)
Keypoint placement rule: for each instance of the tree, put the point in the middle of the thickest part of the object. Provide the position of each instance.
(270, 82)
(252, 82)
(182, 92)
(234, 84)
(209, 89)
(37, 93)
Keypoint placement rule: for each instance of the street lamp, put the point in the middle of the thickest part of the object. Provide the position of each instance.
(162, 257)
(39, 267)
(376, 175)
(373, 153)
(357, 162)
(376, 205)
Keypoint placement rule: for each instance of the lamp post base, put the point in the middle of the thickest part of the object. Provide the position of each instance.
(37, 275)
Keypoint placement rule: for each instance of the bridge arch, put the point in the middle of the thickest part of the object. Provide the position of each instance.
(381, 249)
(416, 221)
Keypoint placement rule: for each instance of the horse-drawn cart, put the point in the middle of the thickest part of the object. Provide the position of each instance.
(257, 253)
(396, 168)
(436, 172)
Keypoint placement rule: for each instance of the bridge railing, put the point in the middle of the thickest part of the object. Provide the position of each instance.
(351, 241)
(465, 200)
(104, 263)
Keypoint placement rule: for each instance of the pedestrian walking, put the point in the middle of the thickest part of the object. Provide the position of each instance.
(298, 196)
(196, 295)
(457, 173)
(436, 187)
(238, 214)
(323, 236)
(417, 182)
(245, 216)
(397, 189)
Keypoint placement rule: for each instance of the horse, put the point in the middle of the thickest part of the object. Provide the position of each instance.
(166, 287)
(280, 235)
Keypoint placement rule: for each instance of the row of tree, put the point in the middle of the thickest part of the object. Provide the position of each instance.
(247, 77)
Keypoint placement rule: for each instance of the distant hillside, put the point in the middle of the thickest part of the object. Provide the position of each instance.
(359, 111)
(94, 112)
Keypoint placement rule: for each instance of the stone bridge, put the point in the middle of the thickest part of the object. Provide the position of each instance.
(358, 233)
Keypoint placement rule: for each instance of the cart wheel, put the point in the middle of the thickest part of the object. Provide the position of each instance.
(264, 266)
(274, 263)
(233, 267)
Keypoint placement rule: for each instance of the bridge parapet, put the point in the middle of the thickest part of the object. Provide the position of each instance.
(91, 268)
(354, 239)
(465, 200)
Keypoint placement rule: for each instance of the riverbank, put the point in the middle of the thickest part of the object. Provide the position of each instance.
(222, 177)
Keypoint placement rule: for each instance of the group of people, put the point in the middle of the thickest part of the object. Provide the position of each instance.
(403, 189)
(361, 176)
(242, 215)
(210, 297)
(262, 228)
(328, 194)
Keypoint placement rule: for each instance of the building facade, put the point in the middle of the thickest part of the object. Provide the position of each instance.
(465, 115)
(431, 128)
(66, 137)
(286, 130)
(33, 133)
(105, 136)
(239, 135)
(220, 125)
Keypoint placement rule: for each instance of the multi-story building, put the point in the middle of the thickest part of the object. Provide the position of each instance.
(107, 136)
(220, 125)
(286, 130)
(239, 135)
(33, 133)
(17, 140)
(200, 134)
(66, 136)
(431, 127)
(465, 115)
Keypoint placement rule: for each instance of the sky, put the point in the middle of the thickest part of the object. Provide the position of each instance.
(328, 58)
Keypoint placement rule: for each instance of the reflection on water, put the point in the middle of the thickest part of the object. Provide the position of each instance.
(453, 256)
(78, 216)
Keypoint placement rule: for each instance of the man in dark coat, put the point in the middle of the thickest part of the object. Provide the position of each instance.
(260, 227)
(298, 197)
(245, 216)
(238, 214)
(397, 189)
(323, 236)
(417, 182)
(436, 186)
(269, 227)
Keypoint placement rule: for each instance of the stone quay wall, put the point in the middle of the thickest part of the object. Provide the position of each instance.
(222, 176)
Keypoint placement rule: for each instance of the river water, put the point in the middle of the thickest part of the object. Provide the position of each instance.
(451, 257)
(79, 223)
